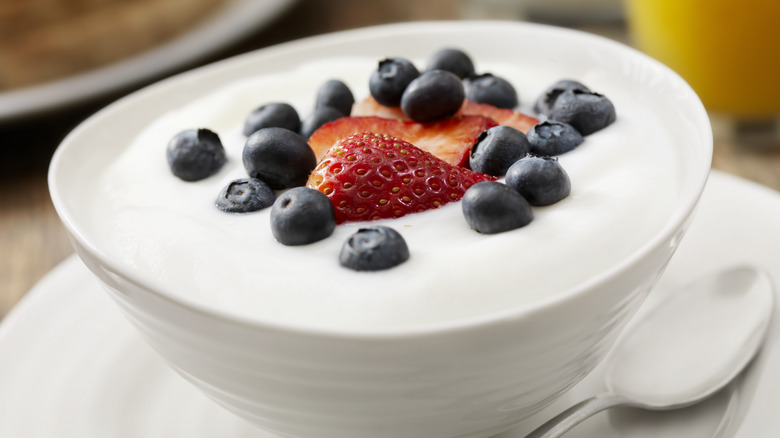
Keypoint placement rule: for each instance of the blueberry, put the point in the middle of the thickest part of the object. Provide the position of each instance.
(374, 249)
(586, 112)
(541, 180)
(279, 157)
(245, 196)
(491, 207)
(195, 154)
(301, 216)
(317, 118)
(496, 149)
(553, 138)
(276, 114)
(335, 94)
(390, 79)
(492, 90)
(546, 101)
(452, 60)
(433, 95)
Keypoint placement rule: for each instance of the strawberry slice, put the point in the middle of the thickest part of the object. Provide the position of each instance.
(370, 107)
(508, 117)
(370, 176)
(449, 139)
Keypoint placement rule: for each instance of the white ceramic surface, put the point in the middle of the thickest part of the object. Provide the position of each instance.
(470, 379)
(72, 367)
(232, 22)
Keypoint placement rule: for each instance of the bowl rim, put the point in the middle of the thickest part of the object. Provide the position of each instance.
(682, 212)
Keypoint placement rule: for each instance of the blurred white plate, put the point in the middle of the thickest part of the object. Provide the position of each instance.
(233, 21)
(72, 367)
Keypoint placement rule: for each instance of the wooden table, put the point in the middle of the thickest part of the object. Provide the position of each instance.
(33, 241)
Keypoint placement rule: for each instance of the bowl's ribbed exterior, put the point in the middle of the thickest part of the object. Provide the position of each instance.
(471, 382)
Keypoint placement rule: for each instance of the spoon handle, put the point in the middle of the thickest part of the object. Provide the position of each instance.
(576, 414)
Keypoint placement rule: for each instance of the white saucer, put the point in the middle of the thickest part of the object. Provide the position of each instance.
(72, 367)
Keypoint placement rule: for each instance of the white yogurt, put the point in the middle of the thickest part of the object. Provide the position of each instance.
(625, 182)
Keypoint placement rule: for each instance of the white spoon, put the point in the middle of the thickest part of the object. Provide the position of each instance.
(684, 349)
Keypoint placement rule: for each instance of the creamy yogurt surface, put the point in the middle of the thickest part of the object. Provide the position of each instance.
(625, 184)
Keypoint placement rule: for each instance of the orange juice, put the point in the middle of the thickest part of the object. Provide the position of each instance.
(728, 51)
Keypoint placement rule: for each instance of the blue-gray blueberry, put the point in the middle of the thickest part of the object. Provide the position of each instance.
(490, 89)
(245, 195)
(320, 116)
(391, 77)
(272, 115)
(195, 154)
(496, 149)
(553, 138)
(546, 100)
(490, 207)
(433, 95)
(374, 248)
(541, 180)
(279, 157)
(452, 60)
(587, 112)
(301, 216)
(336, 94)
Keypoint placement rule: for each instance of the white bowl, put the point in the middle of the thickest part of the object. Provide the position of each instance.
(469, 379)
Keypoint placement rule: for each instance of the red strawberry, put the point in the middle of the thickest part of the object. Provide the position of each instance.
(371, 176)
(508, 117)
(449, 139)
(370, 107)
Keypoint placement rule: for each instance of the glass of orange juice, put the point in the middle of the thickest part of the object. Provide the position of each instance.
(729, 52)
